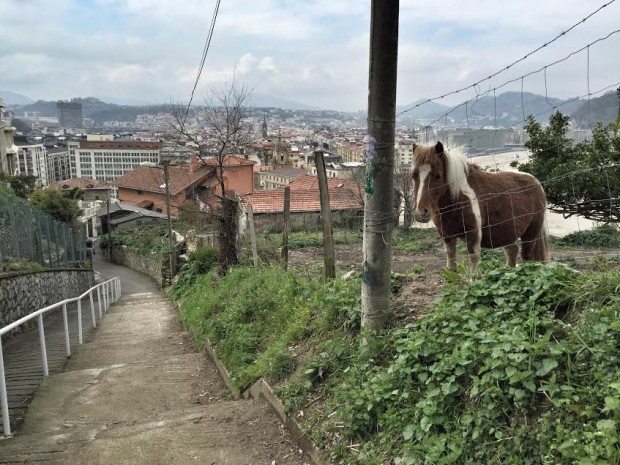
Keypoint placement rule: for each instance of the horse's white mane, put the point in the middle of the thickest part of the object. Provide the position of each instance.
(457, 168)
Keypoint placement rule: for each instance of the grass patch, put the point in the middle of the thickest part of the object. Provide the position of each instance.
(512, 366)
(417, 240)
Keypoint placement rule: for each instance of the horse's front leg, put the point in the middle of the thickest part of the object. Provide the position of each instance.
(451, 253)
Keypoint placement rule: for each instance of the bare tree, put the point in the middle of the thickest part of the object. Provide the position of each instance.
(218, 130)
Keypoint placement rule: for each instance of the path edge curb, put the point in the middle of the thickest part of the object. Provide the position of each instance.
(262, 389)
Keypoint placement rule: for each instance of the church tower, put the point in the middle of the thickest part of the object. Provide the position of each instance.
(264, 128)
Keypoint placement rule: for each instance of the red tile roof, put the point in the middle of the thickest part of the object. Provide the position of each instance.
(302, 200)
(333, 184)
(151, 178)
(81, 183)
(229, 160)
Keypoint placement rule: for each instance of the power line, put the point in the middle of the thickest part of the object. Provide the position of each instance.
(519, 60)
(522, 77)
(203, 58)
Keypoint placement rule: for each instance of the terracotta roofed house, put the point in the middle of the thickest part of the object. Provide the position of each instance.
(144, 186)
(346, 203)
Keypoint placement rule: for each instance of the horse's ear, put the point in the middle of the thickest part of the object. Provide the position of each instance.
(439, 148)
(413, 147)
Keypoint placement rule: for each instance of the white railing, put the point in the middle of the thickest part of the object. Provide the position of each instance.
(107, 292)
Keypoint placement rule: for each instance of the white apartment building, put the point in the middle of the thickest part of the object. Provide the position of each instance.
(32, 160)
(108, 160)
(58, 164)
(403, 152)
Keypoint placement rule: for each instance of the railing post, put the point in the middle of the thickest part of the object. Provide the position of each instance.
(4, 401)
(105, 297)
(120, 288)
(92, 309)
(65, 322)
(79, 312)
(99, 299)
(42, 343)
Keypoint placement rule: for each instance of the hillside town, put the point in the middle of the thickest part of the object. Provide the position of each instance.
(309, 232)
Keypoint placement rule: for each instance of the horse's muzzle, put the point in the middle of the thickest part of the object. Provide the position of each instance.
(422, 216)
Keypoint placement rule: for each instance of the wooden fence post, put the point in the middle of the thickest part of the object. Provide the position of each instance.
(326, 215)
(287, 226)
(253, 236)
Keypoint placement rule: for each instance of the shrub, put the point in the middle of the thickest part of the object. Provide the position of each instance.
(204, 258)
(520, 367)
(606, 235)
(201, 261)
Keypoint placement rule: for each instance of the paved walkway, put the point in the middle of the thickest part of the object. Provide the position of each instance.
(137, 392)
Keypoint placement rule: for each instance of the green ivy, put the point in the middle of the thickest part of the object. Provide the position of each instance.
(505, 370)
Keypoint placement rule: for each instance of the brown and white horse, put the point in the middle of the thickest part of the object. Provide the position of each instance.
(484, 209)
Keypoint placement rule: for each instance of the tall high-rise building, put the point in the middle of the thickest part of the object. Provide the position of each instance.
(69, 114)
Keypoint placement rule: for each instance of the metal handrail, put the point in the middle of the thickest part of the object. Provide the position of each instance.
(107, 292)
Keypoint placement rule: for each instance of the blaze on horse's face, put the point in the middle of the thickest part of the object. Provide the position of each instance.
(429, 180)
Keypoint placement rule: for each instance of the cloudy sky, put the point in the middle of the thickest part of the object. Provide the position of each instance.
(311, 51)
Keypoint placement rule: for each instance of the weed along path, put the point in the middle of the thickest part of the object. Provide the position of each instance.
(138, 392)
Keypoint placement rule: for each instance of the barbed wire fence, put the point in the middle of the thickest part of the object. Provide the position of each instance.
(28, 236)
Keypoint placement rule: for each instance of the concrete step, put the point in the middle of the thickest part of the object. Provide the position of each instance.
(217, 433)
(122, 392)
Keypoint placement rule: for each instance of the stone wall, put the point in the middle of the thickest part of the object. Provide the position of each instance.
(148, 264)
(24, 293)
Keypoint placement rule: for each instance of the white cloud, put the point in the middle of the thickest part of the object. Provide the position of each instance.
(314, 51)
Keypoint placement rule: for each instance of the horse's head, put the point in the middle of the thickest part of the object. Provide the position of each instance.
(429, 179)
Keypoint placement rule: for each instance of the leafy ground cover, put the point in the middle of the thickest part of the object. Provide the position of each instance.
(511, 366)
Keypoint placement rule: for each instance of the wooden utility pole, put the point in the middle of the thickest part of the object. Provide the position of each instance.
(326, 215)
(171, 241)
(286, 227)
(378, 207)
(109, 229)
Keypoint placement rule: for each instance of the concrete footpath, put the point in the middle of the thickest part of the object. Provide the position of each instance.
(138, 392)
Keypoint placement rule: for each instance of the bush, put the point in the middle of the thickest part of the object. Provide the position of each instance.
(606, 235)
(201, 261)
(520, 367)
(204, 259)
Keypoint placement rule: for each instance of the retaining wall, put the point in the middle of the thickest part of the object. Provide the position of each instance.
(149, 264)
(24, 293)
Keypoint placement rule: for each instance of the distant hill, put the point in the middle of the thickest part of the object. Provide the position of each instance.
(259, 100)
(429, 110)
(510, 108)
(603, 109)
(101, 111)
(95, 109)
(13, 98)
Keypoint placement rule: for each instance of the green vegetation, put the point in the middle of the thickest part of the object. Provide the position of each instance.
(60, 205)
(20, 266)
(19, 185)
(200, 262)
(606, 235)
(417, 240)
(150, 239)
(514, 366)
(581, 178)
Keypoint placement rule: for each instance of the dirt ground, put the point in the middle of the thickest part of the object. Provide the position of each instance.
(422, 272)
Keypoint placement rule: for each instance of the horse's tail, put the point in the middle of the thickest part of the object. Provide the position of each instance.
(540, 251)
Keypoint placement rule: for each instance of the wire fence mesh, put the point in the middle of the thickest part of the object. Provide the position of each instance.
(30, 235)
